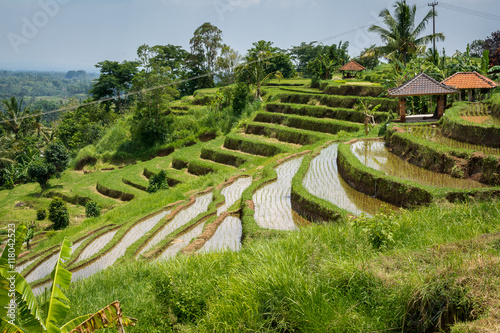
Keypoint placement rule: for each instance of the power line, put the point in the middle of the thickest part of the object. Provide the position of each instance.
(174, 83)
(66, 109)
(470, 12)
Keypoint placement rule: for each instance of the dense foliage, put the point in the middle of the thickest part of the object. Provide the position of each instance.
(158, 182)
(92, 209)
(58, 213)
(40, 84)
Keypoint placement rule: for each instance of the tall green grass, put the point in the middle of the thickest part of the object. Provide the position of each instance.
(325, 278)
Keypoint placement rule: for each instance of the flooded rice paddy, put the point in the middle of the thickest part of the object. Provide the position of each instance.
(324, 181)
(181, 242)
(375, 155)
(183, 217)
(96, 245)
(227, 237)
(47, 266)
(273, 208)
(433, 134)
(133, 235)
(233, 193)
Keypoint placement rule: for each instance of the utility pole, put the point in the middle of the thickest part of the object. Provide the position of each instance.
(433, 5)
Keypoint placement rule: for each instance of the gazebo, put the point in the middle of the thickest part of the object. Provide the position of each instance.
(351, 68)
(471, 83)
(421, 85)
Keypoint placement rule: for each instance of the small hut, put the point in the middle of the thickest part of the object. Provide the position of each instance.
(350, 69)
(421, 85)
(470, 84)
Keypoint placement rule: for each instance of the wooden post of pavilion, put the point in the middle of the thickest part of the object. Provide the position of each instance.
(402, 109)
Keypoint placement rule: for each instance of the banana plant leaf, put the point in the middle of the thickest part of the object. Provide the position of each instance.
(58, 304)
(109, 317)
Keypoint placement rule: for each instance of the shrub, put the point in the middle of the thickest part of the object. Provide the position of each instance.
(379, 230)
(58, 213)
(92, 209)
(57, 156)
(158, 182)
(241, 98)
(50, 234)
(40, 172)
(41, 214)
(315, 81)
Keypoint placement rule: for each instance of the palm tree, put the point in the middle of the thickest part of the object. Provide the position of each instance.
(255, 69)
(15, 115)
(402, 36)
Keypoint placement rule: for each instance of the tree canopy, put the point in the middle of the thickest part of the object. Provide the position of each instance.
(402, 35)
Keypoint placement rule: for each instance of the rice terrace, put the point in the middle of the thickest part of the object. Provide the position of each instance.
(308, 189)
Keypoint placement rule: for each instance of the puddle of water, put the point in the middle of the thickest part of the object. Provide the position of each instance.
(233, 193)
(227, 237)
(323, 180)
(47, 266)
(374, 155)
(434, 134)
(273, 208)
(96, 245)
(183, 217)
(120, 248)
(181, 242)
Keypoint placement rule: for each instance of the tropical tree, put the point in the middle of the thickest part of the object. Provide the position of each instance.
(402, 36)
(23, 313)
(15, 116)
(254, 71)
(115, 79)
(492, 44)
(205, 46)
(226, 65)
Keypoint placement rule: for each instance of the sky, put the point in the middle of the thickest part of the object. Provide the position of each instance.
(77, 34)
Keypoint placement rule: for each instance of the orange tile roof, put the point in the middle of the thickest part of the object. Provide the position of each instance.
(468, 80)
(352, 66)
(421, 85)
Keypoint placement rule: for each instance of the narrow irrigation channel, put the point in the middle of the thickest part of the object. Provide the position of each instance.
(375, 155)
(273, 208)
(324, 181)
(183, 217)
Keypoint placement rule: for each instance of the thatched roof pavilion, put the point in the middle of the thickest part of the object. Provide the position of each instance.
(421, 85)
(351, 68)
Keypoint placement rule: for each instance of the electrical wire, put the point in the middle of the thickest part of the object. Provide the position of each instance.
(174, 83)
(66, 109)
(470, 11)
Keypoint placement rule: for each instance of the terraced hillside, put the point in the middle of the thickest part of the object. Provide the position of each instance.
(303, 158)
